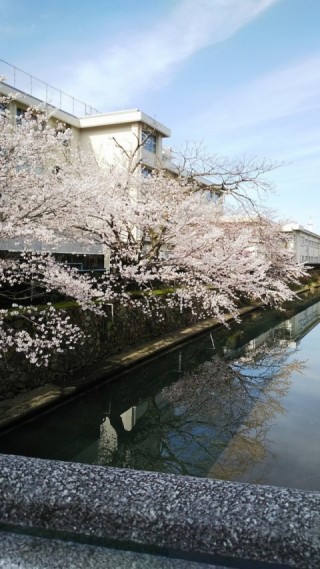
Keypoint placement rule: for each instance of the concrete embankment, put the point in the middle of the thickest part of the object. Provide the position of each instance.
(52, 390)
(34, 400)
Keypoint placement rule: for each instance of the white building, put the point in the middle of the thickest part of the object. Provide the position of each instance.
(303, 243)
(105, 133)
(111, 136)
(108, 135)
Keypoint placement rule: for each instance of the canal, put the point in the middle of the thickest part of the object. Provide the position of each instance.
(241, 404)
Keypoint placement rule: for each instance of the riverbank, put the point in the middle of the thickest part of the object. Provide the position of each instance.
(104, 338)
(33, 401)
(24, 405)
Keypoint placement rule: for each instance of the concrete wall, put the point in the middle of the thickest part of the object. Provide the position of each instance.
(102, 141)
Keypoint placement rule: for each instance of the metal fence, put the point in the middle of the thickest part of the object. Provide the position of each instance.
(30, 85)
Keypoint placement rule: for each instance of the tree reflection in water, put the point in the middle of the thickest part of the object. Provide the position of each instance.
(213, 421)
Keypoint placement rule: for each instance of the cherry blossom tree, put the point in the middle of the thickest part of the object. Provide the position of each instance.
(36, 206)
(165, 229)
(162, 229)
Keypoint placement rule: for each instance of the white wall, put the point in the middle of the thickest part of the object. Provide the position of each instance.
(303, 243)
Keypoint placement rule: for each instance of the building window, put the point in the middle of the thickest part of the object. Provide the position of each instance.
(211, 196)
(149, 141)
(20, 114)
(60, 130)
(146, 172)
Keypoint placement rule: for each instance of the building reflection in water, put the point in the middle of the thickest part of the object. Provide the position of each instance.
(214, 420)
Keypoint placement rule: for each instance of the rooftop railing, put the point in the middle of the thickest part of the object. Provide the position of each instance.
(30, 85)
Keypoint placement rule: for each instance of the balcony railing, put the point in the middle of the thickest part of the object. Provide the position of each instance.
(30, 85)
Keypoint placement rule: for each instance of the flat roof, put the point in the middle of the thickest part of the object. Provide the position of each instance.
(290, 227)
(127, 116)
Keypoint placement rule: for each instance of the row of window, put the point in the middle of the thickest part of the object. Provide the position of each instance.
(310, 242)
(308, 259)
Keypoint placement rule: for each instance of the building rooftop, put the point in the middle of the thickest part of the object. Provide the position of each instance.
(123, 117)
(31, 91)
(289, 227)
(18, 80)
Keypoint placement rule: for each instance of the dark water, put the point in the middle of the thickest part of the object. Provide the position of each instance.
(242, 405)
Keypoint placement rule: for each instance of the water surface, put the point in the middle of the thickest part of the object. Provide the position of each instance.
(240, 405)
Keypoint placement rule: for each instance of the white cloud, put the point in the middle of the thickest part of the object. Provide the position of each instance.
(278, 111)
(121, 72)
(282, 93)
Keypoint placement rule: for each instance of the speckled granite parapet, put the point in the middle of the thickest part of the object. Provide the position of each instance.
(25, 552)
(176, 513)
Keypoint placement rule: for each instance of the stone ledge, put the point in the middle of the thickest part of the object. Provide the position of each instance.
(199, 516)
(24, 551)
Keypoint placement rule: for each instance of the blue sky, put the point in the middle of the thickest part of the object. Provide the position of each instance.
(242, 76)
